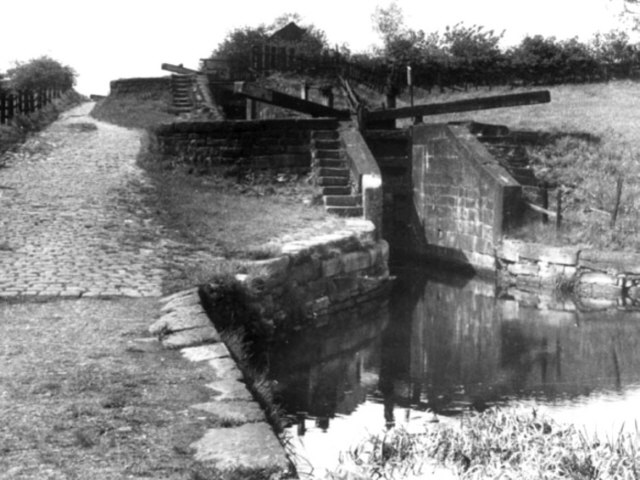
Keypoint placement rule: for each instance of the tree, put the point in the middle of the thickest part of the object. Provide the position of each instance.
(40, 73)
(238, 44)
(474, 51)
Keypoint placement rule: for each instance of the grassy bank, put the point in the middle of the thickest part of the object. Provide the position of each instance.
(595, 152)
(496, 444)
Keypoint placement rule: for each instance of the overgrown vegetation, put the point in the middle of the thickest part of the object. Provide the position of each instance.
(41, 73)
(498, 443)
(16, 132)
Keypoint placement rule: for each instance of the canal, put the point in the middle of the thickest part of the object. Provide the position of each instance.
(449, 344)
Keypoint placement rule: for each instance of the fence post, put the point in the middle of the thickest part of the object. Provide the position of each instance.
(616, 206)
(11, 111)
(3, 106)
(559, 210)
(545, 201)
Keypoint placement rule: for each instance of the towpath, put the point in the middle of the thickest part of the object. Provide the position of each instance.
(72, 219)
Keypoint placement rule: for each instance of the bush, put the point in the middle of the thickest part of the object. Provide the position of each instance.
(41, 73)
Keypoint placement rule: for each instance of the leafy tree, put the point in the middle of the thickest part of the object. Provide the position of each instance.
(614, 52)
(473, 51)
(40, 73)
(537, 59)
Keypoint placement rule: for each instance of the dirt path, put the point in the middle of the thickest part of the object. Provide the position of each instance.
(73, 221)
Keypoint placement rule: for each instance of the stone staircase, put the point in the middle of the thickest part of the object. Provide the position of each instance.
(333, 176)
(181, 91)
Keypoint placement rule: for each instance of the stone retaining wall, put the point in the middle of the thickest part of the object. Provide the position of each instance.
(315, 278)
(259, 144)
(144, 86)
(464, 199)
(598, 279)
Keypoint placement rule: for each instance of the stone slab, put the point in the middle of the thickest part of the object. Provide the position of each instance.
(514, 250)
(188, 301)
(184, 319)
(228, 389)
(180, 294)
(252, 447)
(226, 368)
(614, 262)
(206, 352)
(191, 337)
(236, 412)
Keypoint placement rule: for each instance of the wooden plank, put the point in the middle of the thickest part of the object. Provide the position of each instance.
(178, 69)
(496, 101)
(283, 100)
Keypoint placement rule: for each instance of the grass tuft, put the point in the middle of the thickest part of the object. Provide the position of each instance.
(498, 443)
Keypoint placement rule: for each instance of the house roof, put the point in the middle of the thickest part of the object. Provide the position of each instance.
(289, 33)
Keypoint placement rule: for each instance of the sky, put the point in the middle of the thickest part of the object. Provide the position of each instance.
(107, 40)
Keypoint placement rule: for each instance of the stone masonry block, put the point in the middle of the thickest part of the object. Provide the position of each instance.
(614, 262)
(356, 261)
(206, 352)
(233, 413)
(331, 267)
(180, 320)
(252, 448)
(192, 337)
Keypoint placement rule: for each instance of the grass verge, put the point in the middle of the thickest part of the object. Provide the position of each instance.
(79, 398)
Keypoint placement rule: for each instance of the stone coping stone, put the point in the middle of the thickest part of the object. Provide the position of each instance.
(229, 389)
(614, 262)
(236, 412)
(191, 337)
(204, 353)
(183, 319)
(185, 301)
(252, 447)
(515, 250)
(226, 368)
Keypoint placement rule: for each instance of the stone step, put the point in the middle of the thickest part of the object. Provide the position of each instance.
(336, 190)
(345, 211)
(333, 172)
(331, 163)
(327, 144)
(342, 200)
(333, 181)
(177, 110)
(336, 154)
(325, 135)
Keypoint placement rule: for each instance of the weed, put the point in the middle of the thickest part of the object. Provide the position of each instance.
(497, 443)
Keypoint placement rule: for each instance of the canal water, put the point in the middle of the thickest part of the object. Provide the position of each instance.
(449, 345)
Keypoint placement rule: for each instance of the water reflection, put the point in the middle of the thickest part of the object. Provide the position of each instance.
(448, 344)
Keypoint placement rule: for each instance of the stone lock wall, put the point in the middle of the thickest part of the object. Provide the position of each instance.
(321, 276)
(260, 144)
(314, 278)
(464, 199)
(596, 279)
(142, 86)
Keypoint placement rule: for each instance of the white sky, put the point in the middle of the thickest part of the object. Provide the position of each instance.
(106, 40)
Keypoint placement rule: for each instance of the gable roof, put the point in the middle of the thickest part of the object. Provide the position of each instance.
(289, 33)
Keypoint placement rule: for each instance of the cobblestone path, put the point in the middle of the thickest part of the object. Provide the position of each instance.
(72, 223)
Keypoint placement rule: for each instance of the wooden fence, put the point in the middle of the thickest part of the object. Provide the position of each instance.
(13, 104)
